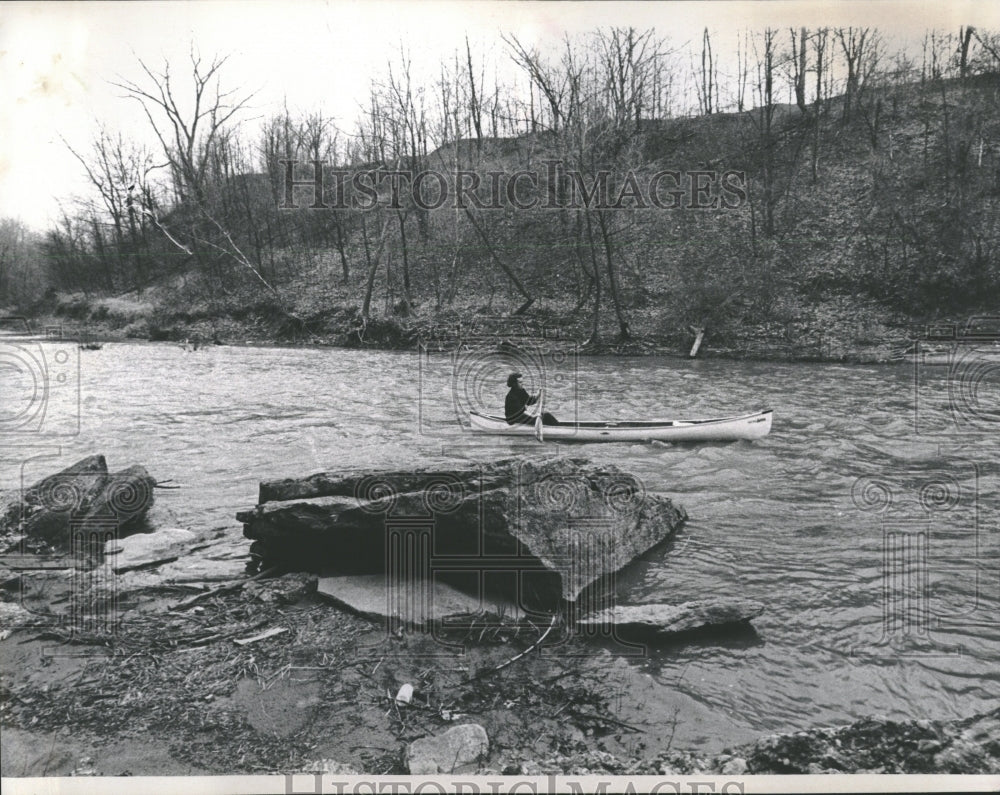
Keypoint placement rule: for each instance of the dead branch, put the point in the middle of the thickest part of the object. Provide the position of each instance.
(516, 657)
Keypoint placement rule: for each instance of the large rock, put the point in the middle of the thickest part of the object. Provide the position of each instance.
(458, 750)
(544, 529)
(652, 620)
(84, 496)
(59, 493)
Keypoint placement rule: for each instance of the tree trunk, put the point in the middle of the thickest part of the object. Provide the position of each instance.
(585, 281)
(496, 258)
(623, 329)
(820, 47)
(338, 228)
(800, 71)
(401, 217)
(965, 38)
(373, 262)
(595, 327)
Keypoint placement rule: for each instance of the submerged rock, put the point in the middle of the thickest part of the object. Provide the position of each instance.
(652, 620)
(543, 530)
(457, 750)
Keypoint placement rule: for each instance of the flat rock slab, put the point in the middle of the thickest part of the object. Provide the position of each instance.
(457, 750)
(663, 619)
(214, 560)
(370, 596)
(147, 549)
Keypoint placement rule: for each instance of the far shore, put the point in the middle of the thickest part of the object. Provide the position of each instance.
(891, 347)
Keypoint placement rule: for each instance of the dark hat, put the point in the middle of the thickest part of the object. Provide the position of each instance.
(512, 379)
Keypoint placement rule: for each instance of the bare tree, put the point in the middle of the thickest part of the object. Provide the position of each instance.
(630, 59)
(604, 138)
(475, 101)
(23, 275)
(852, 45)
(798, 63)
(964, 40)
(373, 260)
(118, 171)
(546, 79)
(188, 136)
(989, 43)
(765, 124)
(819, 42)
(742, 69)
(406, 116)
(708, 77)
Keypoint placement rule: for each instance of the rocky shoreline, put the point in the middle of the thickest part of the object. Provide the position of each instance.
(869, 746)
(202, 669)
(200, 703)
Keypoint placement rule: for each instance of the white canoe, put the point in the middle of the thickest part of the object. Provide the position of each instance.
(746, 426)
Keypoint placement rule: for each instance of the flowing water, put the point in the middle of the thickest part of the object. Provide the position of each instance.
(866, 522)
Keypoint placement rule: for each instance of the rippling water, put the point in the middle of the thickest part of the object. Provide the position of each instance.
(867, 521)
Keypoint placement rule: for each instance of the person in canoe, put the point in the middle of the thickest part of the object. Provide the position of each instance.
(518, 399)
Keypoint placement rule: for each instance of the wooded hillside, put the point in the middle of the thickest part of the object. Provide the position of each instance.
(834, 173)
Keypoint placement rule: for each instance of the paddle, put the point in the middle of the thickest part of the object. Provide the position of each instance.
(538, 418)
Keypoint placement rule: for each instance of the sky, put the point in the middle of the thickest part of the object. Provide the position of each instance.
(58, 60)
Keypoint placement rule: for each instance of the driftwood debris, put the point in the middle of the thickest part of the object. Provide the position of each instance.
(268, 633)
(230, 586)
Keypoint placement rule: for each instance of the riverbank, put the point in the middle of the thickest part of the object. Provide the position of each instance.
(160, 655)
(842, 331)
(208, 690)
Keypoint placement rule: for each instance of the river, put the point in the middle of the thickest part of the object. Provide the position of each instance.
(867, 521)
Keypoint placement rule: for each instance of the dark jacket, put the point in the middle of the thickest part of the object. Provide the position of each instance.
(514, 405)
